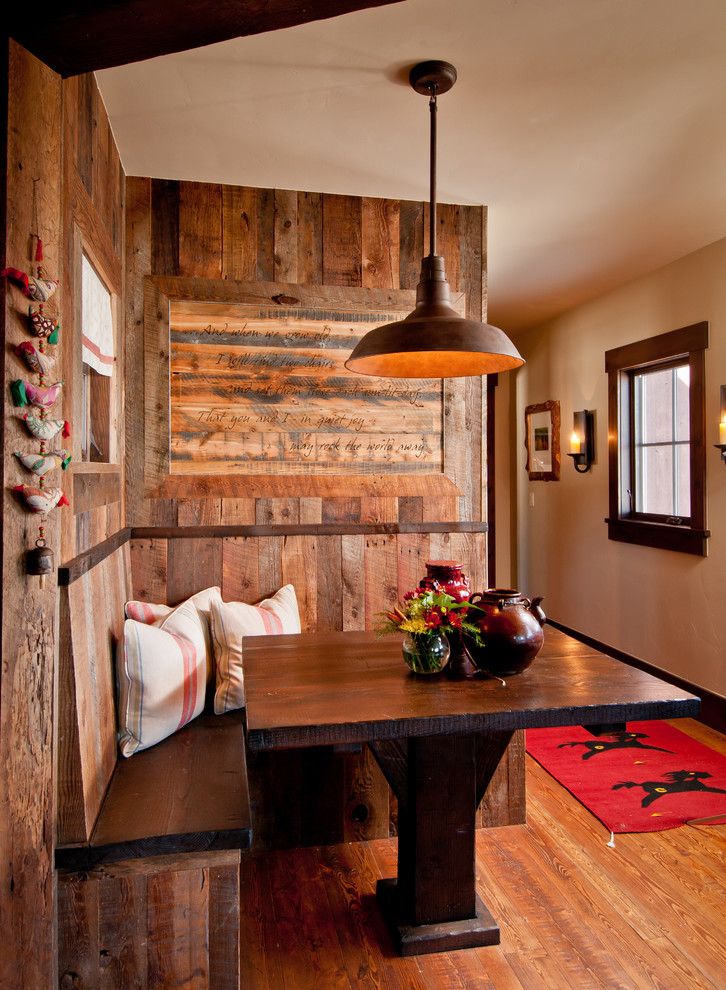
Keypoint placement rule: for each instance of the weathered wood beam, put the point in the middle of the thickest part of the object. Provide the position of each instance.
(81, 37)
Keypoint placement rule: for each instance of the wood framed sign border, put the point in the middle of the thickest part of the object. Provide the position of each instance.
(194, 401)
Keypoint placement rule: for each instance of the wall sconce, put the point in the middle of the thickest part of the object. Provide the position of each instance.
(722, 426)
(582, 443)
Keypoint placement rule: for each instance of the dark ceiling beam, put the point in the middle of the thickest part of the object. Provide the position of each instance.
(97, 34)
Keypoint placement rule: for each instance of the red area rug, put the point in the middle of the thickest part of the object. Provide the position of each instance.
(649, 778)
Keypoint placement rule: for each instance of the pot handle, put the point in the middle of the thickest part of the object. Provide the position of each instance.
(536, 611)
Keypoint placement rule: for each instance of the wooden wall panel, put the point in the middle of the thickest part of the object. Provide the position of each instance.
(152, 923)
(321, 240)
(29, 635)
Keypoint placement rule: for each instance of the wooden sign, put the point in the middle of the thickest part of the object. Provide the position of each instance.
(258, 389)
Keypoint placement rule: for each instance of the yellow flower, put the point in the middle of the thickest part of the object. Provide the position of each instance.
(414, 625)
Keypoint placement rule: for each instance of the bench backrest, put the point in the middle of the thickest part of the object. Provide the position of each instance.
(91, 620)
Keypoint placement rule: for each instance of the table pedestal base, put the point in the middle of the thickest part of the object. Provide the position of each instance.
(414, 940)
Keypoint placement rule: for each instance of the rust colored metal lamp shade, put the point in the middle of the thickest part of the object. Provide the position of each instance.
(433, 341)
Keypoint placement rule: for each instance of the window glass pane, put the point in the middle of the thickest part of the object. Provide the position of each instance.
(654, 488)
(656, 407)
(661, 441)
(683, 480)
(682, 417)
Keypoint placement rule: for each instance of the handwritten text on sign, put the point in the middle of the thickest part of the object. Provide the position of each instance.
(265, 391)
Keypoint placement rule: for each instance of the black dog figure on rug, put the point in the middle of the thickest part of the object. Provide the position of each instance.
(681, 781)
(622, 740)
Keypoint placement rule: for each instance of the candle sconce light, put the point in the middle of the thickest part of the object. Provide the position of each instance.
(722, 426)
(582, 443)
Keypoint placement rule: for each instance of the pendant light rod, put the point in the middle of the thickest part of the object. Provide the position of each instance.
(432, 173)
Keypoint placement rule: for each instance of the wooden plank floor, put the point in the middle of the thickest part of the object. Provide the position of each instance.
(575, 914)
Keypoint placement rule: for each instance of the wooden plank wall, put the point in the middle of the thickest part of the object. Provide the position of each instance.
(58, 134)
(93, 223)
(198, 232)
(29, 634)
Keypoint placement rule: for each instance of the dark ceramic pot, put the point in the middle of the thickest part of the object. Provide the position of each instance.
(511, 628)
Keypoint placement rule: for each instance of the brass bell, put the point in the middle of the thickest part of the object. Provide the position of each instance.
(40, 559)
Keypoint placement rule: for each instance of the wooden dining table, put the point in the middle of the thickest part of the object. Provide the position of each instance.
(438, 741)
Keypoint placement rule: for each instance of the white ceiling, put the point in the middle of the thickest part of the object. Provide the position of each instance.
(592, 129)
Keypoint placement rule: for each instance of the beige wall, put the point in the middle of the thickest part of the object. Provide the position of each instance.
(664, 607)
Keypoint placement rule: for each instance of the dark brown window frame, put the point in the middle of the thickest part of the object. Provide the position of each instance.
(624, 525)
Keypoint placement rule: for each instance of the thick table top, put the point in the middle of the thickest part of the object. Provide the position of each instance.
(333, 688)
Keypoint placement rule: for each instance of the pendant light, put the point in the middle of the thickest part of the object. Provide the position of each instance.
(433, 341)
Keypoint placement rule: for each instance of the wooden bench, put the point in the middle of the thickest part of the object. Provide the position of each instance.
(148, 847)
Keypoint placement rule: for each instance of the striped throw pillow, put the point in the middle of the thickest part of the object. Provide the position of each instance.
(162, 673)
(154, 615)
(230, 621)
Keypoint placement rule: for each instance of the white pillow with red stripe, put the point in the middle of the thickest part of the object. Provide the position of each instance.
(154, 615)
(162, 675)
(230, 621)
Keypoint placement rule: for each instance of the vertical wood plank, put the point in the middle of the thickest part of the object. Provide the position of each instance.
(276, 511)
(411, 250)
(270, 565)
(380, 243)
(78, 947)
(239, 233)
(266, 235)
(311, 510)
(366, 808)
(299, 568)
(27, 809)
(149, 568)
(448, 242)
(378, 509)
(200, 230)
(122, 956)
(329, 584)
(381, 577)
(471, 221)
(341, 510)
(240, 577)
(410, 509)
(341, 240)
(138, 262)
(285, 257)
(199, 511)
(177, 919)
(193, 564)
(353, 579)
(414, 550)
(310, 238)
(238, 511)
(164, 227)
(224, 927)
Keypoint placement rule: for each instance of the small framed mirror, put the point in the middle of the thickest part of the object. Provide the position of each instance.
(542, 440)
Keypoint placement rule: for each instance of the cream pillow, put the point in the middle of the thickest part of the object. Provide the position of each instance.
(231, 621)
(153, 615)
(161, 671)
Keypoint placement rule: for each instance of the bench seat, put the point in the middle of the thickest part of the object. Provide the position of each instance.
(188, 793)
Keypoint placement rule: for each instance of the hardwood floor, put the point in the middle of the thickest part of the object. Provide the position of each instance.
(575, 913)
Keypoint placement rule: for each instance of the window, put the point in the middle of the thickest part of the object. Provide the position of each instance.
(656, 427)
(97, 354)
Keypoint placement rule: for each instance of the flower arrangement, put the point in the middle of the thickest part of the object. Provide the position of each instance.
(425, 614)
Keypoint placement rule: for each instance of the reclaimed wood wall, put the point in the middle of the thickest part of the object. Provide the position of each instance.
(200, 241)
(63, 182)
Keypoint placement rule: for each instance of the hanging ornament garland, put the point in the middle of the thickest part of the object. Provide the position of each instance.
(38, 497)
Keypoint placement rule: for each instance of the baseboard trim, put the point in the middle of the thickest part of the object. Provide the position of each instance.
(713, 706)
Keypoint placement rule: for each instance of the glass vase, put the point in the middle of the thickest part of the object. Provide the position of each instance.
(426, 653)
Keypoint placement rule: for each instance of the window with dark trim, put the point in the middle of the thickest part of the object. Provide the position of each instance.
(656, 441)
